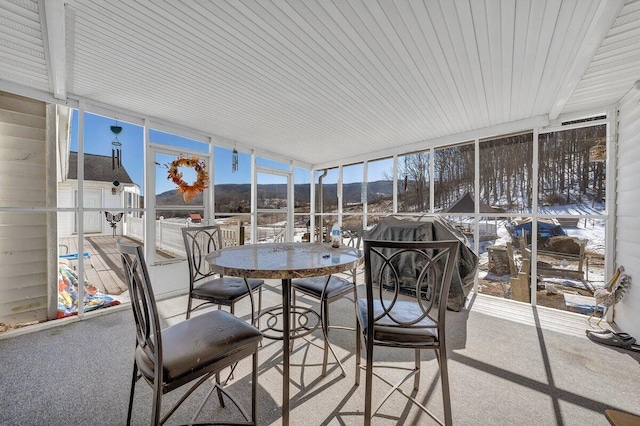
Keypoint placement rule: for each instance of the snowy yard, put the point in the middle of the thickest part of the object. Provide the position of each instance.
(552, 289)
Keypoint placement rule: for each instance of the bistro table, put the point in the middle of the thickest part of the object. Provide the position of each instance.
(285, 261)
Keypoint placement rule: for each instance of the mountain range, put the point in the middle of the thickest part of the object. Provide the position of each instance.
(351, 192)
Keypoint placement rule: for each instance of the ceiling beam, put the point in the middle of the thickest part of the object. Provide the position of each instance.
(606, 13)
(498, 130)
(40, 95)
(53, 37)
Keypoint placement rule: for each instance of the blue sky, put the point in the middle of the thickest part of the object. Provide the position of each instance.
(98, 138)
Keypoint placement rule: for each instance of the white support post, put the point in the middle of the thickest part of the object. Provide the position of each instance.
(290, 203)
(610, 198)
(476, 209)
(254, 198)
(339, 193)
(80, 207)
(395, 184)
(148, 183)
(432, 172)
(209, 208)
(534, 216)
(363, 193)
(312, 209)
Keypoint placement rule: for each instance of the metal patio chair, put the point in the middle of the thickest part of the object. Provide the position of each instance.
(327, 289)
(191, 351)
(208, 286)
(407, 317)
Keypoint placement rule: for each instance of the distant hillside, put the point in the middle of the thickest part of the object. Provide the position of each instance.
(230, 193)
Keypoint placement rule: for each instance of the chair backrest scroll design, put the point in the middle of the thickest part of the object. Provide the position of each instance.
(200, 241)
(426, 265)
(148, 335)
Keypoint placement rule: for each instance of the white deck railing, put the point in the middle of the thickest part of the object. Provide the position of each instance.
(169, 234)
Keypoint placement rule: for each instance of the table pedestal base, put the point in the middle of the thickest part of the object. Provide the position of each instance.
(304, 321)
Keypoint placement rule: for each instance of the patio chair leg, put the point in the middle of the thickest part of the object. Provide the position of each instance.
(157, 402)
(219, 389)
(358, 355)
(416, 377)
(259, 308)
(292, 319)
(134, 379)
(444, 378)
(254, 393)
(190, 301)
(368, 383)
(325, 330)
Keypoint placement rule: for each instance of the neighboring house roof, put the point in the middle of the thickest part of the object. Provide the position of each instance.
(466, 204)
(97, 168)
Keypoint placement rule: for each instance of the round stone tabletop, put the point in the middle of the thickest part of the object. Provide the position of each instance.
(284, 260)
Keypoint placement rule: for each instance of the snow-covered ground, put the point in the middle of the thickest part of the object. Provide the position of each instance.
(590, 229)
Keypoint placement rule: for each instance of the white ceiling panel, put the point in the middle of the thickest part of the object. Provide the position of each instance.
(324, 81)
(614, 67)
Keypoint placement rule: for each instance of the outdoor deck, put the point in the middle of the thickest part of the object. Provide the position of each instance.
(103, 269)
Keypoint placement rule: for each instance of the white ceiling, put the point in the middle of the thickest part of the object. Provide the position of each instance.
(323, 82)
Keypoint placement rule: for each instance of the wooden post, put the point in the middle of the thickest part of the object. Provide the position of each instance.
(582, 243)
(240, 233)
(520, 285)
(522, 240)
(512, 265)
(499, 262)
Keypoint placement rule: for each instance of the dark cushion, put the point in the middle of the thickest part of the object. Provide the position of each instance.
(195, 343)
(224, 289)
(399, 330)
(313, 286)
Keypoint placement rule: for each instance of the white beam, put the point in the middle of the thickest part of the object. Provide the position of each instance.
(39, 95)
(605, 15)
(53, 34)
(500, 129)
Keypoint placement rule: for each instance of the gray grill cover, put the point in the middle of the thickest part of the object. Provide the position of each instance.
(427, 228)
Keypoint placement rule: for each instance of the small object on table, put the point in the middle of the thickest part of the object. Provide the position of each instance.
(335, 235)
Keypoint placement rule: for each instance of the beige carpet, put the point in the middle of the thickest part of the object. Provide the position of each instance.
(502, 372)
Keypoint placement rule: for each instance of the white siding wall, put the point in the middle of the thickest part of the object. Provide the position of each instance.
(65, 219)
(627, 251)
(23, 236)
(110, 202)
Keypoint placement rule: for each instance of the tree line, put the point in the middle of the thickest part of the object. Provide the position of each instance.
(566, 173)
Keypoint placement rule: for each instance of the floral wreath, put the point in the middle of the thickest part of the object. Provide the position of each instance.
(202, 180)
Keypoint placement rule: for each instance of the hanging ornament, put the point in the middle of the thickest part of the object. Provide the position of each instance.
(116, 150)
(234, 160)
(598, 153)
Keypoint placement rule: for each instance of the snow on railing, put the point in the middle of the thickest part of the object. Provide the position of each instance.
(169, 234)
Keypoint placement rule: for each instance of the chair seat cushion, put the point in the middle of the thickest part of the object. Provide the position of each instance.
(224, 289)
(313, 286)
(198, 342)
(389, 330)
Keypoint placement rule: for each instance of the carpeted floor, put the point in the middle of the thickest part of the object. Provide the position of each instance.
(502, 372)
